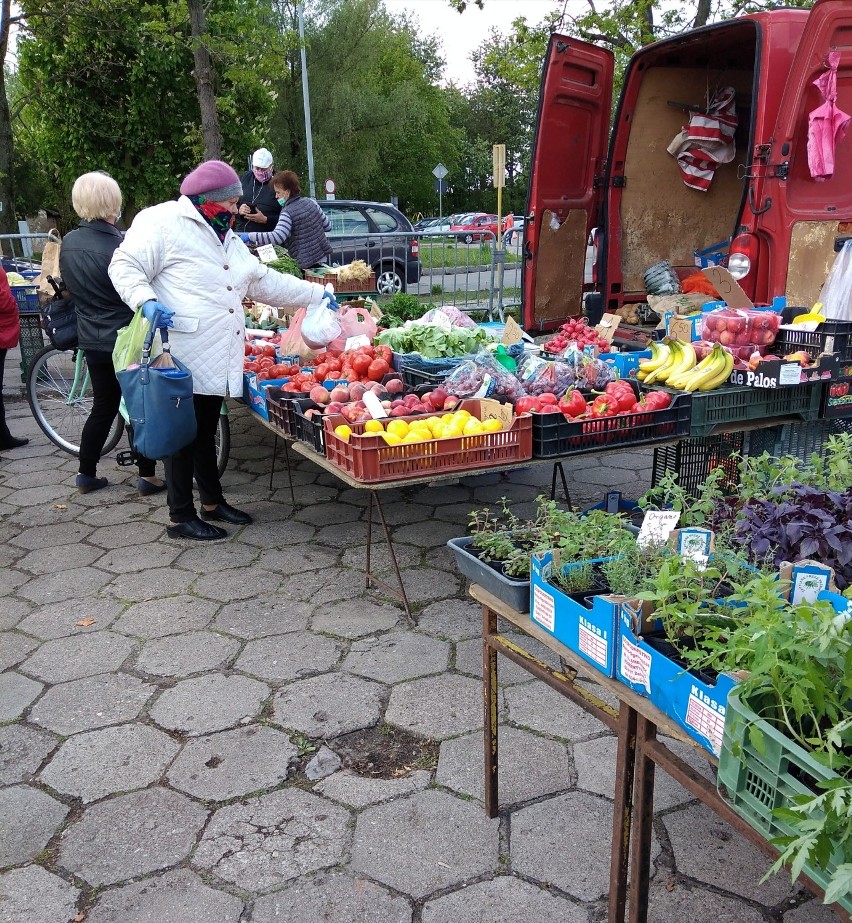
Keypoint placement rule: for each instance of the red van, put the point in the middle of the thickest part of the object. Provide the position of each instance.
(778, 222)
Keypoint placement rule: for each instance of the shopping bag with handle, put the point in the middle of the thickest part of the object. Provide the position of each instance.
(158, 398)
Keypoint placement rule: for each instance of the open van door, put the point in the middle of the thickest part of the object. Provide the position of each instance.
(566, 177)
(807, 213)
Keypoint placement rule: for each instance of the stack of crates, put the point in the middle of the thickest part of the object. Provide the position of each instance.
(32, 337)
(693, 459)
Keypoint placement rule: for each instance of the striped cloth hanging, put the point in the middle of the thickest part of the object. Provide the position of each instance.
(707, 141)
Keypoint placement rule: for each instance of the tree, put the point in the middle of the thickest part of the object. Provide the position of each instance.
(7, 176)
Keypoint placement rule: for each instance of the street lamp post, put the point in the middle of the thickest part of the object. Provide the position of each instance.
(306, 100)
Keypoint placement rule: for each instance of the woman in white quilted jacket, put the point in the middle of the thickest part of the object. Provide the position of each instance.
(181, 263)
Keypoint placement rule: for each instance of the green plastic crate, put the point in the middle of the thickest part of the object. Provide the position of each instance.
(32, 341)
(754, 783)
(714, 409)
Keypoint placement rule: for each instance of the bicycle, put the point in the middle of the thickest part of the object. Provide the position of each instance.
(60, 396)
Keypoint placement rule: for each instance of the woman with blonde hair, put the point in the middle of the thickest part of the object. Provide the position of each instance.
(83, 263)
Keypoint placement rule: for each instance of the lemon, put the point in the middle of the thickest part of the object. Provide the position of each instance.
(473, 428)
(398, 427)
(439, 430)
(462, 414)
(447, 418)
(391, 439)
(492, 426)
(373, 426)
(343, 432)
(414, 436)
(452, 431)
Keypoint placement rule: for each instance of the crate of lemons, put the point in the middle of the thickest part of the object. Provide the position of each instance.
(396, 431)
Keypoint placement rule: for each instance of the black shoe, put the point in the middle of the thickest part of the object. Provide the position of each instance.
(146, 488)
(13, 443)
(86, 485)
(227, 513)
(195, 528)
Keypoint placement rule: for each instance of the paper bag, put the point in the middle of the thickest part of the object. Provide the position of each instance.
(49, 266)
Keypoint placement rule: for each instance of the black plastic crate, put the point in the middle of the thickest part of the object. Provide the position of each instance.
(832, 336)
(692, 460)
(554, 435)
(307, 430)
(31, 342)
(804, 439)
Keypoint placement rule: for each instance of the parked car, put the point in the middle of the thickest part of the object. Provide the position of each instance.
(424, 223)
(358, 232)
(438, 226)
(471, 227)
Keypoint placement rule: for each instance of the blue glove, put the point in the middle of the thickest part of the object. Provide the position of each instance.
(331, 301)
(244, 238)
(151, 308)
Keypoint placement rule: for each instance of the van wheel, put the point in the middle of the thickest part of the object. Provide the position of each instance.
(389, 281)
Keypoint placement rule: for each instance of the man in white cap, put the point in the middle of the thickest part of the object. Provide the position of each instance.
(258, 207)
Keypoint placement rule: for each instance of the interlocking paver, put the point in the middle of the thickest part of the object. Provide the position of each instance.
(208, 703)
(43, 560)
(12, 580)
(16, 693)
(22, 751)
(335, 897)
(12, 612)
(69, 658)
(179, 896)
(502, 900)
(124, 534)
(138, 557)
(282, 657)
(34, 895)
(533, 706)
(65, 584)
(298, 560)
(150, 583)
(260, 844)
(28, 819)
(14, 647)
(329, 705)
(203, 558)
(698, 906)
(183, 655)
(259, 618)
(354, 618)
(455, 619)
(59, 620)
(91, 702)
(455, 706)
(323, 514)
(233, 763)
(172, 615)
(349, 788)
(130, 835)
(238, 583)
(117, 759)
(396, 656)
(424, 843)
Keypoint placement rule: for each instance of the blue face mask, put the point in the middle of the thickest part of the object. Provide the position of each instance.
(282, 202)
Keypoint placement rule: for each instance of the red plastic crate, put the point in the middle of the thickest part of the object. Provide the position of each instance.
(369, 459)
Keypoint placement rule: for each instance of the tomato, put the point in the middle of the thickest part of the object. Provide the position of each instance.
(334, 365)
(249, 366)
(361, 364)
(378, 369)
(385, 352)
(293, 369)
(321, 371)
(269, 350)
(248, 351)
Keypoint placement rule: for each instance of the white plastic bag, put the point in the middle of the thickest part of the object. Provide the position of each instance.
(320, 326)
(836, 294)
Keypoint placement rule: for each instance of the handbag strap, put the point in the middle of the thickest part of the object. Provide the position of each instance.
(146, 348)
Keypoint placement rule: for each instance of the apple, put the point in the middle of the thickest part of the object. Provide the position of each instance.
(450, 402)
(394, 386)
(399, 412)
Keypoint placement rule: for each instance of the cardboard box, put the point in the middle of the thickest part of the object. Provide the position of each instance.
(254, 393)
(682, 327)
(626, 364)
(838, 399)
(589, 631)
(778, 373)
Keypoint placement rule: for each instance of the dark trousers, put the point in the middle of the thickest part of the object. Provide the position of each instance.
(4, 429)
(107, 396)
(197, 460)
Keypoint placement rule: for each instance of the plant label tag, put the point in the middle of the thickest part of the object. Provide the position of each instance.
(657, 526)
(494, 410)
(613, 501)
(374, 405)
(266, 253)
(354, 342)
(695, 544)
(808, 581)
(543, 608)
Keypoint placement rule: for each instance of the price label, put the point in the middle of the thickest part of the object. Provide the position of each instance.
(494, 410)
(790, 374)
(356, 341)
(695, 544)
(657, 526)
(374, 405)
(266, 253)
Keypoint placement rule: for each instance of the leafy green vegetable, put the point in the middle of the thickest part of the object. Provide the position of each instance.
(402, 308)
(285, 263)
(433, 342)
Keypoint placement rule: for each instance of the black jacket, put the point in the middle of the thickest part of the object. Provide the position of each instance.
(260, 196)
(83, 262)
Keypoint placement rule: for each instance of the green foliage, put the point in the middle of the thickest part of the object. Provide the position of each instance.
(285, 263)
(402, 308)
(695, 510)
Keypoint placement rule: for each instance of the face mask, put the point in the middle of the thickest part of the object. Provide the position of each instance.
(262, 176)
(282, 202)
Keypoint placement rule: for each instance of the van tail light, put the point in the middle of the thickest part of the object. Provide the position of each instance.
(415, 247)
(743, 255)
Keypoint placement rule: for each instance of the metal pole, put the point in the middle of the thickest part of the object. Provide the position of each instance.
(440, 200)
(306, 99)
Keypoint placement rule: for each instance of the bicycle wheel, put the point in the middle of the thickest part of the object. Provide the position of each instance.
(60, 397)
(223, 443)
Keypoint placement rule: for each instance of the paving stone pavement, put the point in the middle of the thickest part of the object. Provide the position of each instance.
(159, 702)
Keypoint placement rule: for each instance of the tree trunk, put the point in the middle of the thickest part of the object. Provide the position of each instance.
(204, 78)
(8, 224)
(702, 14)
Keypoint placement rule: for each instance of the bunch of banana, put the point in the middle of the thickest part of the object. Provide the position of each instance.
(713, 370)
(659, 354)
(682, 369)
(680, 359)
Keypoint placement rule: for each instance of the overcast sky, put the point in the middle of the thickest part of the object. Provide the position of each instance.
(462, 33)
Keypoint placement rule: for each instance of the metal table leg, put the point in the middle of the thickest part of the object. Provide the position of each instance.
(557, 466)
(369, 576)
(489, 701)
(274, 454)
(289, 474)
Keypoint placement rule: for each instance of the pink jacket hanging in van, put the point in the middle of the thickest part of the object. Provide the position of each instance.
(826, 124)
(707, 141)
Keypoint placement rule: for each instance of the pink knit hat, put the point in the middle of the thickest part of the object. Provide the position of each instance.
(214, 179)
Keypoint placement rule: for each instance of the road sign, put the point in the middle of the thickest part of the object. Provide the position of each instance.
(329, 185)
(441, 186)
(499, 152)
(440, 171)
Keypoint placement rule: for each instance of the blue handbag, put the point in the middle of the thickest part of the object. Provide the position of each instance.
(158, 398)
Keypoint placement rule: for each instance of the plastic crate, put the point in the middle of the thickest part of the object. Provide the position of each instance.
(310, 431)
(368, 285)
(281, 412)
(803, 439)
(27, 298)
(731, 404)
(31, 342)
(832, 336)
(514, 591)
(756, 781)
(369, 459)
(693, 459)
(554, 435)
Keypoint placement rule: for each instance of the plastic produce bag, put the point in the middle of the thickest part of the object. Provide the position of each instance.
(836, 294)
(483, 376)
(320, 326)
(292, 343)
(592, 373)
(738, 328)
(353, 322)
(541, 376)
(661, 279)
(129, 341)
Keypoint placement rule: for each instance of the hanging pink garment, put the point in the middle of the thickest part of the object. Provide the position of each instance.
(707, 141)
(826, 124)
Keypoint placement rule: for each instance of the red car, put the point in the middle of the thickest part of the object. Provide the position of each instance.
(477, 225)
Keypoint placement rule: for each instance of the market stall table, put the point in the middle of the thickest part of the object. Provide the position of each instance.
(635, 722)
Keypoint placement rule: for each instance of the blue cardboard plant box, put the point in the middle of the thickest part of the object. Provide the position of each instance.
(254, 393)
(696, 706)
(588, 630)
(626, 364)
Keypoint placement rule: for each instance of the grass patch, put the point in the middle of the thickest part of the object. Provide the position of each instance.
(439, 255)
